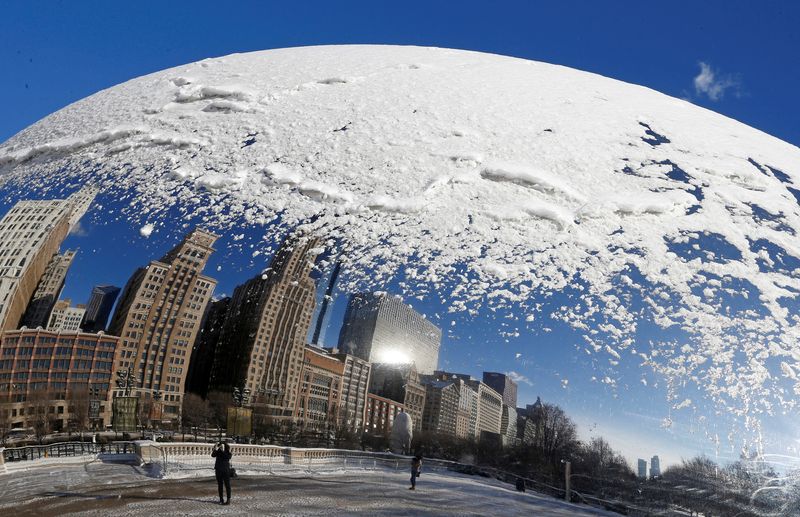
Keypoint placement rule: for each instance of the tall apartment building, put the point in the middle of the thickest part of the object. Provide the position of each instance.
(46, 375)
(262, 342)
(504, 385)
(508, 426)
(99, 307)
(355, 386)
(441, 407)
(202, 359)
(318, 400)
(642, 464)
(489, 409)
(48, 291)
(401, 383)
(66, 318)
(30, 235)
(381, 328)
(655, 467)
(467, 411)
(158, 318)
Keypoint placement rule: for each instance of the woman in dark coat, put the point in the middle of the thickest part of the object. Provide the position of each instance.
(416, 466)
(222, 469)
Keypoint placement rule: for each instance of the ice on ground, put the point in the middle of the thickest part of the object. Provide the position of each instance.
(105, 489)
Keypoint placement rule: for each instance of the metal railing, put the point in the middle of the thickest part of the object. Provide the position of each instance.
(271, 459)
(65, 449)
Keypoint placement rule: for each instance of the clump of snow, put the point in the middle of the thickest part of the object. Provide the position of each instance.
(146, 230)
(504, 180)
(529, 177)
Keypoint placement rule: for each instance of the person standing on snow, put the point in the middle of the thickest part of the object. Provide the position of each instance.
(222, 469)
(416, 466)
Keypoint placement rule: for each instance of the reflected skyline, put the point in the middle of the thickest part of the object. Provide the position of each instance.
(633, 419)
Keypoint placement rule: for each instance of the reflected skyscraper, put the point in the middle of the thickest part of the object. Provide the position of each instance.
(655, 467)
(158, 318)
(382, 329)
(48, 291)
(30, 235)
(326, 287)
(99, 307)
(261, 344)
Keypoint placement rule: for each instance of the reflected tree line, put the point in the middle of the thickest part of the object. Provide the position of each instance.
(601, 475)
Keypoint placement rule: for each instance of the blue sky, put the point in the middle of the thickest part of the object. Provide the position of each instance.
(737, 58)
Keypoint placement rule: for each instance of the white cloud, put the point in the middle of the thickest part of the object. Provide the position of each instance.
(708, 82)
(78, 230)
(518, 378)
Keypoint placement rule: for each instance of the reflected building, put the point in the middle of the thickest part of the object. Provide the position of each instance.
(642, 464)
(197, 379)
(441, 407)
(318, 398)
(508, 426)
(355, 386)
(261, 344)
(380, 328)
(30, 236)
(66, 318)
(99, 307)
(380, 413)
(504, 385)
(655, 467)
(48, 291)
(326, 289)
(46, 377)
(158, 318)
(400, 383)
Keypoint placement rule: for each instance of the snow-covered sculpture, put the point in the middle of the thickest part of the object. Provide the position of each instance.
(661, 233)
(402, 433)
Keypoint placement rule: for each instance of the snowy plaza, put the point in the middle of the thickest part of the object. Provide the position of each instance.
(101, 486)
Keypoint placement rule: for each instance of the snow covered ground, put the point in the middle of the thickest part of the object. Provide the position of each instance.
(99, 488)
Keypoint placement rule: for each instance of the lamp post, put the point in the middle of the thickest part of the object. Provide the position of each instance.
(125, 380)
(567, 475)
(241, 396)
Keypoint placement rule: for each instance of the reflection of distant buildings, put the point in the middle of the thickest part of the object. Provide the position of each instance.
(48, 290)
(49, 379)
(655, 467)
(99, 307)
(66, 318)
(326, 289)
(30, 235)
(382, 329)
(400, 383)
(173, 340)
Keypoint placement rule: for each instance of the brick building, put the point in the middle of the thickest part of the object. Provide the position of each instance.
(158, 317)
(319, 395)
(47, 378)
(380, 413)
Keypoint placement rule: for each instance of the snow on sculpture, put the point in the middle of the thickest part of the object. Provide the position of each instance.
(480, 178)
(402, 433)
